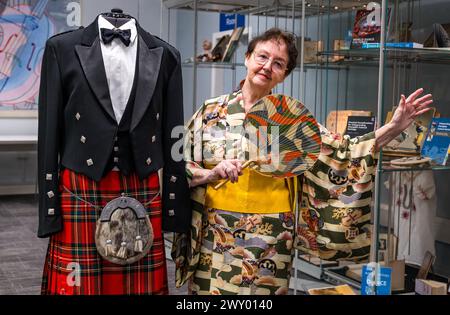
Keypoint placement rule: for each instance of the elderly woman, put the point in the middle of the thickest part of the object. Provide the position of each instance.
(243, 235)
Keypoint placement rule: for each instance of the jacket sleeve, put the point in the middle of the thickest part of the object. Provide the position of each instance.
(49, 133)
(175, 191)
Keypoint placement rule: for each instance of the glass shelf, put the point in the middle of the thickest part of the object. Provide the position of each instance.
(278, 8)
(226, 65)
(331, 65)
(388, 168)
(429, 55)
(345, 64)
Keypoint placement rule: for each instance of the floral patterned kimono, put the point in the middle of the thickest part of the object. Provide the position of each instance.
(242, 238)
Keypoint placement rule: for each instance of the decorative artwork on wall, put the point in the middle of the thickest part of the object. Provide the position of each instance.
(25, 25)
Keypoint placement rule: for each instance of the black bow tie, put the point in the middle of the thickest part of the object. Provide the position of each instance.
(108, 35)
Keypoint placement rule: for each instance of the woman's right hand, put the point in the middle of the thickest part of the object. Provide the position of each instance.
(226, 169)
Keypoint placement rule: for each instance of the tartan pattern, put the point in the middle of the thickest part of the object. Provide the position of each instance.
(76, 242)
(244, 254)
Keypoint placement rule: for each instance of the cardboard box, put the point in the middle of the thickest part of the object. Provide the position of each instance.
(430, 287)
(338, 44)
(312, 47)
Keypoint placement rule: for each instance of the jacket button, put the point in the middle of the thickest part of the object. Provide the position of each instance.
(153, 138)
(157, 116)
(116, 138)
(116, 159)
(77, 116)
(171, 212)
(148, 161)
(48, 176)
(50, 194)
(116, 149)
(89, 162)
(51, 211)
(172, 196)
(173, 179)
(83, 139)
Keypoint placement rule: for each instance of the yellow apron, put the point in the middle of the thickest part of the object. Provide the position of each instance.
(253, 193)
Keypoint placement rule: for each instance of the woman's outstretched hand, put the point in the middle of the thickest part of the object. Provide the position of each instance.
(411, 107)
(408, 109)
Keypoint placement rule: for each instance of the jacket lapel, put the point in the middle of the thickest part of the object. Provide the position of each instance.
(149, 60)
(91, 60)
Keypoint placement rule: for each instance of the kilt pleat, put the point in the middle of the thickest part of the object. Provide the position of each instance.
(73, 266)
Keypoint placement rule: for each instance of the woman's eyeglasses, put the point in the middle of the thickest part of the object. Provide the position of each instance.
(261, 58)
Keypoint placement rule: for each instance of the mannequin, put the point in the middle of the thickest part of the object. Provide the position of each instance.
(116, 17)
(110, 96)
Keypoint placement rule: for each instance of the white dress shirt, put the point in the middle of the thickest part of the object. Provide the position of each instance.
(120, 65)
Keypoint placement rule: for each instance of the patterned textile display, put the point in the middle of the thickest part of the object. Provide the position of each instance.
(73, 266)
(244, 253)
(281, 130)
(334, 195)
(414, 206)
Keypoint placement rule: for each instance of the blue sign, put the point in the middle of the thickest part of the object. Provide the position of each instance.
(383, 283)
(228, 21)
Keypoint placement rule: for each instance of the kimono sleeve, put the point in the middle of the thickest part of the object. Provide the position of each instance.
(193, 155)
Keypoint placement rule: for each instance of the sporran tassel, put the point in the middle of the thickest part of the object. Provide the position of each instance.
(138, 244)
(122, 253)
(109, 250)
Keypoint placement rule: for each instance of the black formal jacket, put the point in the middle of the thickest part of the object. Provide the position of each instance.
(77, 126)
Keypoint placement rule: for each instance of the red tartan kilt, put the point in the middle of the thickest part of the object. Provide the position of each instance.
(73, 248)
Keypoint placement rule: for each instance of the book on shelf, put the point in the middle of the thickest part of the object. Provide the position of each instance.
(367, 25)
(337, 119)
(232, 44)
(437, 142)
(393, 45)
(219, 49)
(410, 141)
(344, 289)
(376, 279)
(359, 125)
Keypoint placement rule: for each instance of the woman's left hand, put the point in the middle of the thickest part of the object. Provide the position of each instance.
(409, 108)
